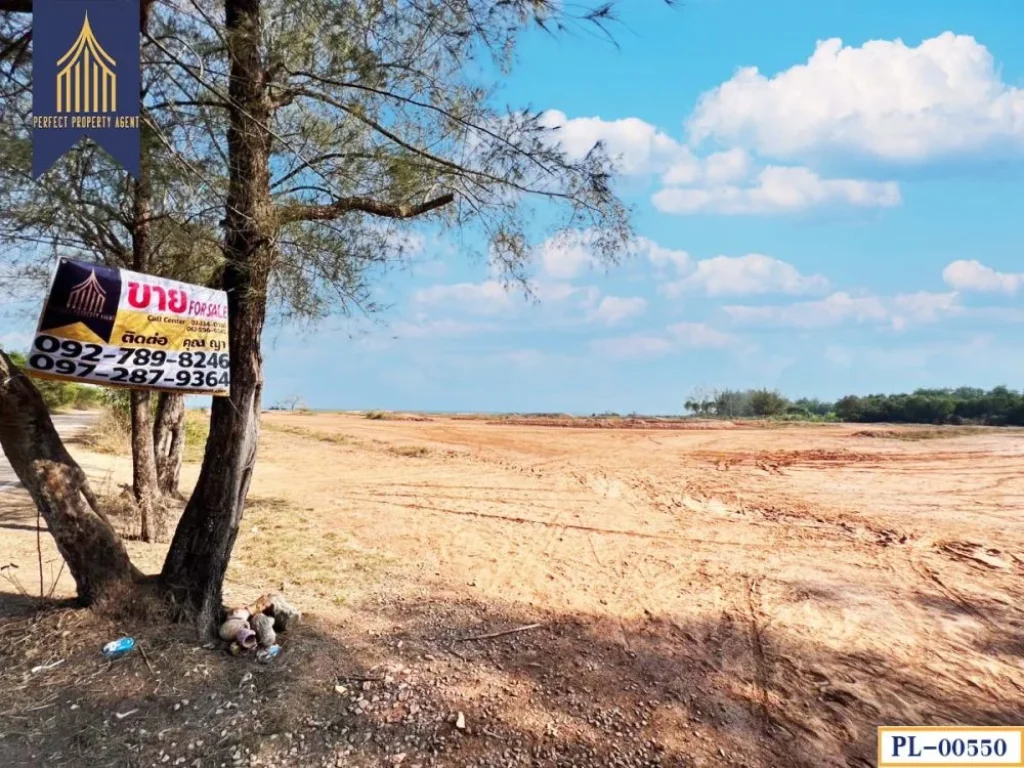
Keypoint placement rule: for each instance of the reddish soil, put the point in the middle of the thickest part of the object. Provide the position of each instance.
(709, 596)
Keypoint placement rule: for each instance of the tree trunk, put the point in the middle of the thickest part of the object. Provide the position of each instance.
(194, 570)
(95, 554)
(144, 479)
(169, 441)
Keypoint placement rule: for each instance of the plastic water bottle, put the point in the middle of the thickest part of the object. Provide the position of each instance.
(266, 655)
(120, 647)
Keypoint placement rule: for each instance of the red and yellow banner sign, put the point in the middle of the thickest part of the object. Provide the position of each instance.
(113, 327)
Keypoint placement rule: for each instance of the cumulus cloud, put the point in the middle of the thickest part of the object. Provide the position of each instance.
(923, 307)
(614, 309)
(841, 307)
(491, 298)
(716, 169)
(636, 146)
(661, 257)
(883, 99)
(974, 276)
(488, 297)
(778, 190)
(747, 275)
(566, 255)
(553, 292)
(726, 182)
(752, 274)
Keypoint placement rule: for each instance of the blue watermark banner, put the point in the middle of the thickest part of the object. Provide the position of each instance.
(85, 79)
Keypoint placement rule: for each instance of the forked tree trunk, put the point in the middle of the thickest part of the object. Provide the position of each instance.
(194, 570)
(95, 554)
(169, 441)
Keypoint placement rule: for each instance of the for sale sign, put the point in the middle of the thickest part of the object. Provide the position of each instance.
(113, 327)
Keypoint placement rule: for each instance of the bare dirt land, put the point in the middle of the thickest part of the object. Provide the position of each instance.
(704, 595)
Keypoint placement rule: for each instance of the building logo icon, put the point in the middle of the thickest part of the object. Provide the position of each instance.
(88, 296)
(86, 80)
(83, 301)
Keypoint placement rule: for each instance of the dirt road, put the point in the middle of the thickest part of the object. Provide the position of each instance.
(733, 595)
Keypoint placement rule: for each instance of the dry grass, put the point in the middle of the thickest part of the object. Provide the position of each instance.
(913, 433)
(110, 434)
(326, 437)
(410, 451)
(197, 430)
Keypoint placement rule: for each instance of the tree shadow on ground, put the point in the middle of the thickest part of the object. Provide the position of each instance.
(577, 690)
(19, 514)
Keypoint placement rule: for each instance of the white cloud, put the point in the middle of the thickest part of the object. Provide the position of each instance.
(924, 307)
(974, 276)
(726, 182)
(615, 309)
(884, 99)
(565, 255)
(747, 275)
(716, 169)
(488, 297)
(833, 310)
(778, 190)
(839, 308)
(700, 336)
(727, 167)
(637, 146)
(659, 256)
(554, 292)
(752, 274)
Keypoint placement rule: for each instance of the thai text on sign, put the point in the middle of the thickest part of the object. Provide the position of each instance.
(102, 325)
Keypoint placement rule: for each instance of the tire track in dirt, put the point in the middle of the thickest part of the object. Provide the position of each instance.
(760, 708)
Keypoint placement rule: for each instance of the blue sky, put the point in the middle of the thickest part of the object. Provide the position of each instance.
(819, 216)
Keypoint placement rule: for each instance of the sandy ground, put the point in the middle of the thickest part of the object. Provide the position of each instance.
(738, 595)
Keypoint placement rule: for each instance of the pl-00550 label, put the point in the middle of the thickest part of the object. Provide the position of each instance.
(948, 747)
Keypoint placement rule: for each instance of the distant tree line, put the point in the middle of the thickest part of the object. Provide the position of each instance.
(60, 395)
(965, 405)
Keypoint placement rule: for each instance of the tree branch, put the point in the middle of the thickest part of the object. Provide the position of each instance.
(423, 105)
(190, 103)
(295, 212)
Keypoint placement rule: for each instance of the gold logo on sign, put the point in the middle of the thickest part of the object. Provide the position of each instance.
(87, 296)
(87, 81)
